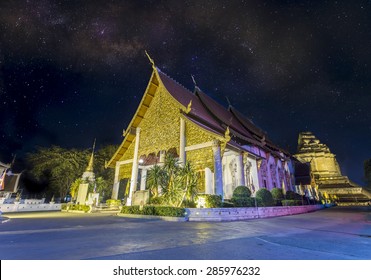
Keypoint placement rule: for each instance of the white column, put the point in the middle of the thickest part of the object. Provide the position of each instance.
(116, 183)
(143, 180)
(209, 184)
(240, 171)
(162, 156)
(134, 171)
(218, 169)
(182, 143)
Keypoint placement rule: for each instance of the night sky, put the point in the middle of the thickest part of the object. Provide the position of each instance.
(72, 71)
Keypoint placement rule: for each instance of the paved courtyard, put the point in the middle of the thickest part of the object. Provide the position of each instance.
(335, 233)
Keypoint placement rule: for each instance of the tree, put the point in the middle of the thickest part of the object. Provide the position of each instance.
(103, 187)
(103, 155)
(155, 179)
(104, 176)
(61, 167)
(188, 180)
(75, 187)
(176, 182)
(171, 189)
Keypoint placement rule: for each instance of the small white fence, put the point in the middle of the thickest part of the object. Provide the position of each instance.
(29, 207)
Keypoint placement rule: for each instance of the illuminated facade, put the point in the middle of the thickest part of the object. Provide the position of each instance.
(326, 172)
(8, 181)
(224, 146)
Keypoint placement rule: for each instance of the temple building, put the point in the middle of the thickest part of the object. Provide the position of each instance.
(9, 181)
(326, 172)
(223, 145)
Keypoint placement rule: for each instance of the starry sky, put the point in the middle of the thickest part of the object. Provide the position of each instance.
(72, 71)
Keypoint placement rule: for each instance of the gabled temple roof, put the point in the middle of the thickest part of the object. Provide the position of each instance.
(202, 110)
(223, 116)
(186, 98)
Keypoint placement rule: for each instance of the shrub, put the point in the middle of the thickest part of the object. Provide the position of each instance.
(240, 197)
(156, 200)
(264, 198)
(76, 207)
(241, 191)
(189, 204)
(227, 204)
(291, 202)
(212, 200)
(113, 202)
(169, 211)
(290, 195)
(154, 210)
(277, 195)
(130, 210)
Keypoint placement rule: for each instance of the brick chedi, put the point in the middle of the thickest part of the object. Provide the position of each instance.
(326, 171)
(323, 163)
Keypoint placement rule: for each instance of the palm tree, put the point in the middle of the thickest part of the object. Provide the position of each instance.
(155, 179)
(172, 188)
(176, 182)
(189, 179)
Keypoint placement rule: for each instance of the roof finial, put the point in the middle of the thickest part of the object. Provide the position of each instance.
(189, 107)
(229, 102)
(95, 139)
(13, 161)
(194, 81)
(90, 165)
(150, 59)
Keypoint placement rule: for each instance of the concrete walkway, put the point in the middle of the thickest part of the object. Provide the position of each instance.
(329, 234)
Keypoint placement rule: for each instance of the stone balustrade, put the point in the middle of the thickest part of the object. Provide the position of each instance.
(245, 213)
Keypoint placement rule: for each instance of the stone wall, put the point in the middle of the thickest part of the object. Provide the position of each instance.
(235, 214)
(12, 208)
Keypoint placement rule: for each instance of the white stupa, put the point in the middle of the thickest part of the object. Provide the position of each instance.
(88, 177)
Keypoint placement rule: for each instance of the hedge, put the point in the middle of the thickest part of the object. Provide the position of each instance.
(154, 210)
(113, 202)
(156, 200)
(76, 207)
(264, 198)
(290, 195)
(240, 197)
(291, 202)
(227, 204)
(212, 200)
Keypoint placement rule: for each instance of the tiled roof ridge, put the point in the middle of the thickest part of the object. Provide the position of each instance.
(233, 110)
(175, 81)
(202, 121)
(204, 105)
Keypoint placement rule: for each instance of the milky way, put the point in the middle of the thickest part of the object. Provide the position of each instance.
(72, 71)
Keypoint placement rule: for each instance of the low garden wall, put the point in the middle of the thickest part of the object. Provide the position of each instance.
(245, 213)
(12, 208)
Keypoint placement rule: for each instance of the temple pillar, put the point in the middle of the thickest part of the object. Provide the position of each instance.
(116, 183)
(162, 156)
(209, 184)
(218, 169)
(240, 171)
(143, 180)
(134, 171)
(182, 142)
